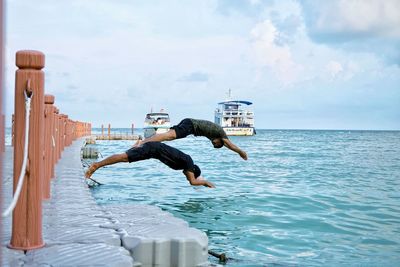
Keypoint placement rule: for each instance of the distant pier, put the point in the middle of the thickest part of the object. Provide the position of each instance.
(116, 137)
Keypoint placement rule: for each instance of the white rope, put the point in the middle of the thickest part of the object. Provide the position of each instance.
(23, 167)
(54, 142)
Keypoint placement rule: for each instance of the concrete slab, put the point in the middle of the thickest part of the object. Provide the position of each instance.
(78, 220)
(6, 233)
(79, 255)
(156, 238)
(141, 214)
(11, 257)
(84, 234)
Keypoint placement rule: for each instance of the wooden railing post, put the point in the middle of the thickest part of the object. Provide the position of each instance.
(48, 161)
(63, 126)
(2, 46)
(67, 132)
(57, 134)
(70, 131)
(109, 131)
(2, 133)
(27, 215)
(53, 140)
(65, 121)
(12, 129)
(76, 130)
(60, 135)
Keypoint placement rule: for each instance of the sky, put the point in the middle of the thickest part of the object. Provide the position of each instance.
(331, 64)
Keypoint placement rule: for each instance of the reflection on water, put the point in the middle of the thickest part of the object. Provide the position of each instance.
(192, 206)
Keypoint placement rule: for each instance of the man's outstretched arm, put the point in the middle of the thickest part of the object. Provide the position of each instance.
(196, 182)
(233, 147)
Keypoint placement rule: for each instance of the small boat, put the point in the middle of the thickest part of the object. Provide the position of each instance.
(156, 123)
(233, 118)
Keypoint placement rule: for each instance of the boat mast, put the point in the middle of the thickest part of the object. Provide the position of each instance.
(229, 95)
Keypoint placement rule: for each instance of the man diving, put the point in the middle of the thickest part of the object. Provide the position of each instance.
(205, 128)
(172, 157)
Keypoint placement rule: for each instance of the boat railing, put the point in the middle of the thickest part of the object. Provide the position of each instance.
(238, 112)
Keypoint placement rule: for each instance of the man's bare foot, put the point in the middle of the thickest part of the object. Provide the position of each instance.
(138, 143)
(90, 171)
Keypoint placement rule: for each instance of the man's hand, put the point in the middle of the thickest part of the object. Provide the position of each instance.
(209, 184)
(243, 155)
(233, 147)
(205, 182)
(197, 181)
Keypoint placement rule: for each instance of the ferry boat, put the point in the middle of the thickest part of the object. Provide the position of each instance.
(234, 118)
(156, 123)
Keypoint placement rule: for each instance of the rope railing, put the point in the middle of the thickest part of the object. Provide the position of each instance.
(40, 134)
(25, 158)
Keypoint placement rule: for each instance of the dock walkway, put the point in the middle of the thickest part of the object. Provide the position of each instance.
(78, 232)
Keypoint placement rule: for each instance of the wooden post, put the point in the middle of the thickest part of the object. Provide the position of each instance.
(2, 133)
(75, 130)
(72, 125)
(12, 129)
(27, 215)
(1, 110)
(70, 131)
(59, 134)
(79, 129)
(48, 125)
(109, 131)
(53, 141)
(133, 127)
(64, 131)
(67, 131)
(102, 131)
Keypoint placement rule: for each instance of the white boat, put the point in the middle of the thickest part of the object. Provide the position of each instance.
(234, 119)
(156, 123)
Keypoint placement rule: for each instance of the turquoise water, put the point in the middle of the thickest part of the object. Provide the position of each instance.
(304, 198)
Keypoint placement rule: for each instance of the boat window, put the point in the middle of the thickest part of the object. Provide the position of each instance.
(231, 107)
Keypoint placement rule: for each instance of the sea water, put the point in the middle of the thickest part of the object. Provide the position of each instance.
(303, 198)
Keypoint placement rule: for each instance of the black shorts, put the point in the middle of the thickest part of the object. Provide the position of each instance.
(139, 153)
(184, 128)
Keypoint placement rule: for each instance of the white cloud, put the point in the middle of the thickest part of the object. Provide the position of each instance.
(255, 2)
(371, 26)
(341, 70)
(268, 53)
(334, 68)
(368, 18)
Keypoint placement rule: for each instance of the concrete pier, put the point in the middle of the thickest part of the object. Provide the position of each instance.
(77, 231)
